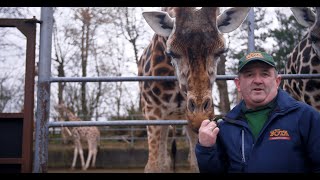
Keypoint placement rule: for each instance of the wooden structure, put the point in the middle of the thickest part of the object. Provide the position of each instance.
(16, 129)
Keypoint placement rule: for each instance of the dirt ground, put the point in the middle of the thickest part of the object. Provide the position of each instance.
(131, 170)
(137, 170)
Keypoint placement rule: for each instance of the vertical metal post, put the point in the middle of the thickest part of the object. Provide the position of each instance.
(43, 102)
(132, 137)
(251, 46)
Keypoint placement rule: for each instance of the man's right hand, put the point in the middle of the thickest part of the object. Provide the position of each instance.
(208, 132)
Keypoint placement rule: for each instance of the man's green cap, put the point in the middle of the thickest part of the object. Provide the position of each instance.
(256, 56)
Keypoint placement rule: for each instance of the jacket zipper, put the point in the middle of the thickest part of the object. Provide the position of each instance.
(242, 147)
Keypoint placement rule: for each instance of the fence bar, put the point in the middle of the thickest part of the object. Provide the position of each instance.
(113, 79)
(117, 123)
(43, 103)
(165, 78)
(250, 18)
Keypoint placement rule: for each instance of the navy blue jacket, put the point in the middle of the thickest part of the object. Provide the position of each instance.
(288, 142)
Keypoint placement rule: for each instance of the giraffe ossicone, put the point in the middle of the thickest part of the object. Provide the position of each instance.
(188, 43)
(305, 59)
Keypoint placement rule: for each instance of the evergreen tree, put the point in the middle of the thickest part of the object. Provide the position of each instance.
(286, 37)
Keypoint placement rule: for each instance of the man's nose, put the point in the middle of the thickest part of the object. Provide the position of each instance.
(257, 79)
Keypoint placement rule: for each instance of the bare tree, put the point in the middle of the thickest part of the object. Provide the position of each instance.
(83, 57)
(5, 94)
(224, 104)
(12, 61)
(131, 28)
(14, 12)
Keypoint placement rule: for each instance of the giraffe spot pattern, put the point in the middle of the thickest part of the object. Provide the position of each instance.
(166, 97)
(304, 60)
(317, 97)
(315, 61)
(306, 54)
(156, 90)
(179, 99)
(147, 67)
(162, 71)
(307, 99)
(312, 85)
(305, 69)
(154, 98)
(159, 59)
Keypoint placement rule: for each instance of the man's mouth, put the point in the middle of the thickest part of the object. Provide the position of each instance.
(257, 89)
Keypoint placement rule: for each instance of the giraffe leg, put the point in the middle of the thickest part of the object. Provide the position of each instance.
(153, 145)
(90, 153)
(75, 155)
(192, 137)
(81, 156)
(88, 159)
(94, 155)
(164, 158)
(158, 159)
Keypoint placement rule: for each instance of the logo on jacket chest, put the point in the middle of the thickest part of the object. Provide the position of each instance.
(279, 134)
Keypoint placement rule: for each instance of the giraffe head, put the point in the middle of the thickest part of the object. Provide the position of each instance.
(61, 109)
(307, 18)
(194, 44)
(65, 113)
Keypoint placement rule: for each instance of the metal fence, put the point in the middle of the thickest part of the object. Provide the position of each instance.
(129, 134)
(45, 79)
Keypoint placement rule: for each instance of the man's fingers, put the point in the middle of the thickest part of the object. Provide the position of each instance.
(215, 131)
(205, 122)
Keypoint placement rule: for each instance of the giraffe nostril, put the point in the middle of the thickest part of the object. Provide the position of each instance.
(207, 105)
(191, 105)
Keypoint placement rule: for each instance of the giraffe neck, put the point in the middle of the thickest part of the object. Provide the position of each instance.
(72, 117)
(304, 60)
(165, 97)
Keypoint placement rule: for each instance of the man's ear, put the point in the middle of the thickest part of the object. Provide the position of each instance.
(278, 80)
(237, 83)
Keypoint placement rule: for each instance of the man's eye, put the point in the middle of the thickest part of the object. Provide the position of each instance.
(172, 54)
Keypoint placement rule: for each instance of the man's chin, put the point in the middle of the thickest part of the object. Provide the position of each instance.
(259, 102)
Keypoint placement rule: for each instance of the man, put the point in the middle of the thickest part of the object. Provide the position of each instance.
(268, 131)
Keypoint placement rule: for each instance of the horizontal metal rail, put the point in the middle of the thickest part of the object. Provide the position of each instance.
(116, 123)
(144, 78)
(165, 78)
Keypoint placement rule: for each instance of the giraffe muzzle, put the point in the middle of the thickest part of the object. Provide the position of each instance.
(197, 112)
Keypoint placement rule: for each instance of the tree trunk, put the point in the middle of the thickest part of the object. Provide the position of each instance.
(224, 104)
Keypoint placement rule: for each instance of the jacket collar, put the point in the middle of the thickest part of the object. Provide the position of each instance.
(284, 103)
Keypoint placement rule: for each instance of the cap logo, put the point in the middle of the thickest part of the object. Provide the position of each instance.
(254, 55)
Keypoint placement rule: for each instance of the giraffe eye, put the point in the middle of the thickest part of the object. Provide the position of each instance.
(220, 52)
(172, 54)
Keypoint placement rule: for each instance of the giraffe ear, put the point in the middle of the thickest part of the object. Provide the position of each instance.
(160, 22)
(304, 16)
(232, 18)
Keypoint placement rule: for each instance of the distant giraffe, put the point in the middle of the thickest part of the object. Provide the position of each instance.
(305, 59)
(89, 134)
(188, 43)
